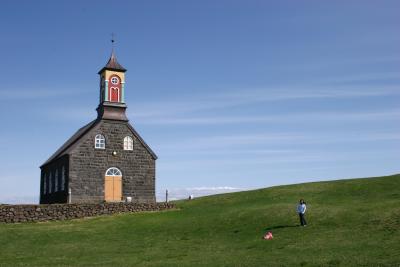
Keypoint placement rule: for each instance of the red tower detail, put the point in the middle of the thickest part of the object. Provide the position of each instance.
(115, 88)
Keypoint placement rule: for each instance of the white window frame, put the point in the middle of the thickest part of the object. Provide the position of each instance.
(113, 171)
(99, 141)
(128, 143)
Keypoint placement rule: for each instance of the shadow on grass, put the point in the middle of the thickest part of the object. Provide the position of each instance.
(280, 227)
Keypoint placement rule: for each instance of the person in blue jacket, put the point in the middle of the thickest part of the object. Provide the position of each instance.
(301, 210)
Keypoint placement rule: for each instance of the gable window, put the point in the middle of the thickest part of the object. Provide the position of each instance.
(128, 143)
(100, 142)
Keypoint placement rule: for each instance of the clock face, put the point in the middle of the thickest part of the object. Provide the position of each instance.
(114, 80)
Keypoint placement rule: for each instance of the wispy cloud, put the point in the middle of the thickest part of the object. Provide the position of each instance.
(183, 110)
(364, 77)
(338, 63)
(241, 151)
(226, 141)
(74, 114)
(393, 114)
(247, 162)
(234, 98)
(267, 139)
(307, 159)
(39, 93)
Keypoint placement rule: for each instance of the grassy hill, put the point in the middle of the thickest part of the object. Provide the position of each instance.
(351, 223)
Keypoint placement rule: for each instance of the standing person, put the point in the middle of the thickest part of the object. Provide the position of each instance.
(301, 210)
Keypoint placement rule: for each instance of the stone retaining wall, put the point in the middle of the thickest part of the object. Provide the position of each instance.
(55, 212)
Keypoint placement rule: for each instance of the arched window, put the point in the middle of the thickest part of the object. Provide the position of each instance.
(115, 88)
(50, 183)
(44, 184)
(113, 172)
(56, 181)
(99, 142)
(128, 143)
(114, 94)
(62, 178)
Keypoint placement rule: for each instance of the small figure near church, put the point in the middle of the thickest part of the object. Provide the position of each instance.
(301, 210)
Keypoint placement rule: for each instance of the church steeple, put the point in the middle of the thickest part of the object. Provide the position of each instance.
(113, 64)
(112, 90)
(112, 81)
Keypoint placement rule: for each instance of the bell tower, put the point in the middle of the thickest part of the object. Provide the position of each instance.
(112, 90)
(112, 81)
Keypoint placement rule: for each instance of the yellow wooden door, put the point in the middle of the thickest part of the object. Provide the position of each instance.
(117, 188)
(113, 188)
(108, 189)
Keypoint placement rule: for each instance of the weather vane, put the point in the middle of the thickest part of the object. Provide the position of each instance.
(112, 40)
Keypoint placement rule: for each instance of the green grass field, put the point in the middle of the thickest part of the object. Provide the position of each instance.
(351, 223)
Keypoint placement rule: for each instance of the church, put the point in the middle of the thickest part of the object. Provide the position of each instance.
(105, 160)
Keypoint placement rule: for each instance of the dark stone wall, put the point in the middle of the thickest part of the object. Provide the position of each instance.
(59, 194)
(54, 212)
(89, 165)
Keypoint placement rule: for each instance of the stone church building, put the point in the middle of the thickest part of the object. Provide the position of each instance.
(105, 160)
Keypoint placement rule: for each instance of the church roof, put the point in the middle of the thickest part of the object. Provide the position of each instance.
(113, 64)
(62, 150)
(67, 147)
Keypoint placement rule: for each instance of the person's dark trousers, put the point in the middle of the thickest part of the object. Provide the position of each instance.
(302, 219)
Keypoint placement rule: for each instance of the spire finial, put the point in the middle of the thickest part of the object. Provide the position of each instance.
(112, 63)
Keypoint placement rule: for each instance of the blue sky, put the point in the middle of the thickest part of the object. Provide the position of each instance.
(229, 94)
